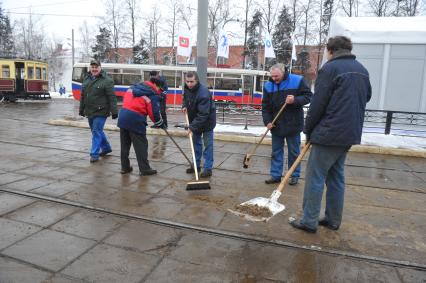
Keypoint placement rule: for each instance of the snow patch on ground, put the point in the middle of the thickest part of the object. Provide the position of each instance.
(373, 139)
(55, 94)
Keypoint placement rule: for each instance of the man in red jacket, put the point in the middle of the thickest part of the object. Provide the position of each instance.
(140, 101)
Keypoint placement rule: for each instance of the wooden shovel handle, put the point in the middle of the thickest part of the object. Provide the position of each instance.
(293, 167)
(267, 130)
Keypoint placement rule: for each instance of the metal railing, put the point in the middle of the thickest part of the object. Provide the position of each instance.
(379, 121)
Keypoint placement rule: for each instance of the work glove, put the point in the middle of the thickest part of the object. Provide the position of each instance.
(114, 116)
(308, 138)
(162, 126)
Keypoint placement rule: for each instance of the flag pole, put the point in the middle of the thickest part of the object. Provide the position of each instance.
(176, 63)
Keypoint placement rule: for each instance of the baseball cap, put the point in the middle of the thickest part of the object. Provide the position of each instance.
(95, 62)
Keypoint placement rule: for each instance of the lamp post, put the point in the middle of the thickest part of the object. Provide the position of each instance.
(202, 32)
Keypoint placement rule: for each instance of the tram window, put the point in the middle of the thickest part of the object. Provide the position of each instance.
(77, 74)
(131, 71)
(38, 73)
(44, 74)
(170, 78)
(146, 75)
(5, 71)
(248, 84)
(228, 84)
(116, 78)
(30, 72)
(259, 82)
(129, 79)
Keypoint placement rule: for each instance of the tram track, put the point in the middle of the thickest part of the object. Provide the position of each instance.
(224, 233)
(238, 171)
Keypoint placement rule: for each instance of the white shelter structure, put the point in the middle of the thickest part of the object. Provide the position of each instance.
(393, 49)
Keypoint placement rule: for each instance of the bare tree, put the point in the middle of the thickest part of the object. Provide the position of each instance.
(350, 7)
(133, 8)
(270, 11)
(174, 7)
(152, 23)
(56, 64)
(115, 21)
(30, 38)
(219, 15)
(246, 23)
(86, 41)
(409, 8)
(186, 14)
(381, 8)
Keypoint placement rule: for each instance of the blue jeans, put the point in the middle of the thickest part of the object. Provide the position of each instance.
(277, 160)
(99, 139)
(198, 139)
(325, 165)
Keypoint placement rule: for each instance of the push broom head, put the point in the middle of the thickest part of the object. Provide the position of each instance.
(198, 185)
(246, 161)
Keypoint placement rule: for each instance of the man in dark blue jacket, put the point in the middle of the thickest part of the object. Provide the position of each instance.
(163, 96)
(333, 124)
(198, 103)
(293, 90)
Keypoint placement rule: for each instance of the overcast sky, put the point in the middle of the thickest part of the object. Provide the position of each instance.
(59, 17)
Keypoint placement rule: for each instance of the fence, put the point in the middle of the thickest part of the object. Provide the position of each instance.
(380, 121)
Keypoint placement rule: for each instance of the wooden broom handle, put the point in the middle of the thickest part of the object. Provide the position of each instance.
(267, 130)
(293, 167)
(192, 147)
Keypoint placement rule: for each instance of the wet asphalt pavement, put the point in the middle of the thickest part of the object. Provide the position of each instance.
(63, 219)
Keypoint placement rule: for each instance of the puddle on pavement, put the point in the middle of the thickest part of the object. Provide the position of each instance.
(159, 145)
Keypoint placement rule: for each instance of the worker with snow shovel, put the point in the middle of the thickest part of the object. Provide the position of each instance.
(294, 91)
(333, 124)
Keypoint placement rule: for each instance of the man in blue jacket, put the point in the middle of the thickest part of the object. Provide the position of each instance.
(333, 124)
(198, 103)
(293, 90)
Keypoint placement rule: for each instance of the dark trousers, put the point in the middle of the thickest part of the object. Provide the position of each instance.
(140, 145)
(163, 110)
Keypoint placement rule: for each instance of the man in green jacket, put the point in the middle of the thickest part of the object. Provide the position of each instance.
(97, 102)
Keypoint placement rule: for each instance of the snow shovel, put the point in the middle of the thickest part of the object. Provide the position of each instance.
(262, 209)
(180, 149)
(248, 155)
(197, 184)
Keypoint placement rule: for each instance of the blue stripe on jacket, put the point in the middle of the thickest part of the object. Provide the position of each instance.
(292, 82)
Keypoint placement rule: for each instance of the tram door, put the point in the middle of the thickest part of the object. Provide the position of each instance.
(19, 76)
(247, 88)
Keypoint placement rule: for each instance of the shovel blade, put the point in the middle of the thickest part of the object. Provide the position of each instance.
(274, 206)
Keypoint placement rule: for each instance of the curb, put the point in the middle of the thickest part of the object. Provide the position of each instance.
(247, 139)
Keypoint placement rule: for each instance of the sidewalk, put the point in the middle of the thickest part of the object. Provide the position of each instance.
(382, 236)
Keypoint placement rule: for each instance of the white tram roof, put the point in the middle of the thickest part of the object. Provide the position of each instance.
(175, 68)
(397, 30)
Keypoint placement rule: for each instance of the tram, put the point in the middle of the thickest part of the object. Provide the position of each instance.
(230, 85)
(21, 78)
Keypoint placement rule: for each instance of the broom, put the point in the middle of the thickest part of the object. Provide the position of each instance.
(197, 184)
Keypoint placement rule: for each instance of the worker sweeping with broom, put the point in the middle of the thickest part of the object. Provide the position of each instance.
(200, 109)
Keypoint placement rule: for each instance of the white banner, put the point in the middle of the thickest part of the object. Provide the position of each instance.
(184, 43)
(223, 45)
(269, 48)
(293, 50)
